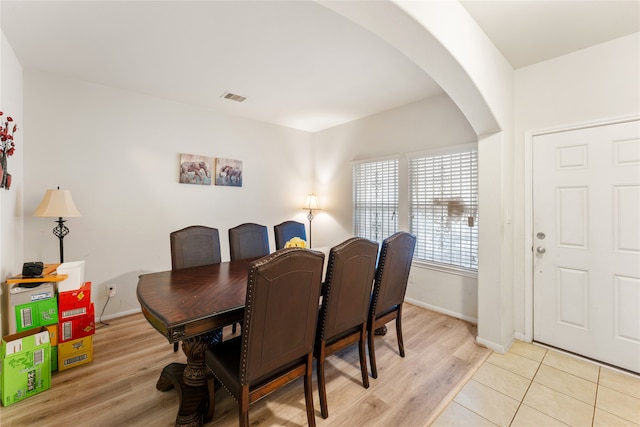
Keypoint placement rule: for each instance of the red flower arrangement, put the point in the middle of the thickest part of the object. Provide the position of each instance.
(6, 136)
(7, 148)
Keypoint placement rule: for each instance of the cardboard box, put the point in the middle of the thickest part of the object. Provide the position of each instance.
(24, 295)
(15, 295)
(36, 314)
(75, 353)
(75, 303)
(53, 334)
(53, 340)
(75, 275)
(26, 365)
(77, 327)
(54, 358)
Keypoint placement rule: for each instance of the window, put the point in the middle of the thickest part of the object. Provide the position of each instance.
(443, 208)
(375, 199)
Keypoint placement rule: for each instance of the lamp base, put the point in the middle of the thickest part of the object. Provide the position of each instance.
(60, 231)
(310, 218)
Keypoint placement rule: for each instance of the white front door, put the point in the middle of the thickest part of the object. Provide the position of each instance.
(586, 242)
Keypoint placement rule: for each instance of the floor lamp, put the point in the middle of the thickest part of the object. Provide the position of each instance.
(312, 205)
(58, 204)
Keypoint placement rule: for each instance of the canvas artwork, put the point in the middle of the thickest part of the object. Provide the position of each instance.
(229, 172)
(195, 169)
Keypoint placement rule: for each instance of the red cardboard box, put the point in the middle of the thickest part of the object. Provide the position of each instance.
(74, 303)
(77, 327)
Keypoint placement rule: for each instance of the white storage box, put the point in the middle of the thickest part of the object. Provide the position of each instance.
(75, 271)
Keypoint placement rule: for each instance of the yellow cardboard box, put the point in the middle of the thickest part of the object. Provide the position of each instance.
(75, 353)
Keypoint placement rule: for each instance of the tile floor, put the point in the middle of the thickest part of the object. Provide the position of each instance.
(535, 386)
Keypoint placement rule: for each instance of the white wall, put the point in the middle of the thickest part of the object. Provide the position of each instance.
(587, 86)
(433, 123)
(118, 153)
(11, 223)
(11, 234)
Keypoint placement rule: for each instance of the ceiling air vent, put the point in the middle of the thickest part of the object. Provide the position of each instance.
(233, 97)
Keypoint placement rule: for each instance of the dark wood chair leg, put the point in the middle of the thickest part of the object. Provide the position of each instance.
(211, 386)
(322, 390)
(399, 332)
(363, 358)
(175, 346)
(308, 392)
(243, 407)
(372, 352)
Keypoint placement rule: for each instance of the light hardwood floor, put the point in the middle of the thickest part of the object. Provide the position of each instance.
(118, 387)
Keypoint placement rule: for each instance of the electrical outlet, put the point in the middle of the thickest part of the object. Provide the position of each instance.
(111, 290)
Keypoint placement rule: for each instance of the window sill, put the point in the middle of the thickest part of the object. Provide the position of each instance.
(458, 271)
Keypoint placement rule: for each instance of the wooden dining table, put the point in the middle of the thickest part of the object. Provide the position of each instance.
(190, 305)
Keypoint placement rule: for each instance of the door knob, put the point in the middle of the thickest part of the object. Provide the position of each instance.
(541, 250)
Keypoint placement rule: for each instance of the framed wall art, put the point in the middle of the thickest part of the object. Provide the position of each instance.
(229, 172)
(195, 169)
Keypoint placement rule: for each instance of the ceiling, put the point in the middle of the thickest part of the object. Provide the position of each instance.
(298, 64)
(528, 32)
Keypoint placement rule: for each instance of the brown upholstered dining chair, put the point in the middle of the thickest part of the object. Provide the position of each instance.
(248, 241)
(346, 295)
(392, 274)
(194, 246)
(276, 345)
(286, 231)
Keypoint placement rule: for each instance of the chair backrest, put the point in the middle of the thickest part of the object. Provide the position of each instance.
(193, 246)
(346, 294)
(248, 241)
(281, 311)
(287, 231)
(394, 265)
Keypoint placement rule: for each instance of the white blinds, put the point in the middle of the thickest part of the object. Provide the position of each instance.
(443, 203)
(375, 199)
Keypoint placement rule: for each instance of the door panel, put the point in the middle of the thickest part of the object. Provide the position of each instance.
(586, 202)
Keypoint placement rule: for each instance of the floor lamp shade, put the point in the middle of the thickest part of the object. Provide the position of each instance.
(58, 204)
(311, 203)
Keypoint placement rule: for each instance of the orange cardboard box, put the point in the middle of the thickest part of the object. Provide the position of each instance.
(53, 334)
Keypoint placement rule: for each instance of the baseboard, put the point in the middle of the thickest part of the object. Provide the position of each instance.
(498, 348)
(442, 310)
(121, 314)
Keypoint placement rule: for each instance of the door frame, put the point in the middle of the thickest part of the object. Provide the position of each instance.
(527, 334)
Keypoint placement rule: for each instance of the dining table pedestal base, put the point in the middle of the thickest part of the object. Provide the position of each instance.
(194, 400)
